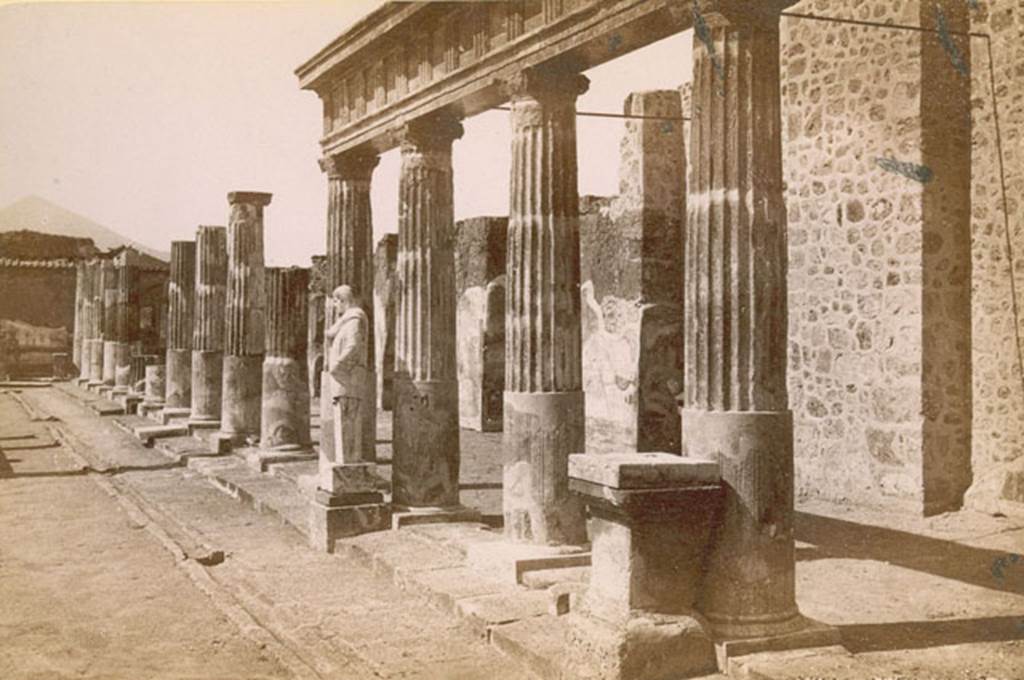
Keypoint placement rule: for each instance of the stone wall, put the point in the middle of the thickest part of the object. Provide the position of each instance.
(631, 257)
(877, 165)
(480, 249)
(998, 439)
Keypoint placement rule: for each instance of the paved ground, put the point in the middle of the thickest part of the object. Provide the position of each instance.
(88, 592)
(151, 572)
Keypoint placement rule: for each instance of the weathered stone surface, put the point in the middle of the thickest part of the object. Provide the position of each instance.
(425, 462)
(208, 324)
(642, 470)
(480, 248)
(245, 320)
(328, 524)
(85, 317)
(385, 297)
(78, 336)
(180, 293)
(543, 411)
(631, 259)
(107, 297)
(285, 403)
(156, 379)
(350, 262)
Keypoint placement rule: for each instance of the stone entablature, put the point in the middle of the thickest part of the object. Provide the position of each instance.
(406, 60)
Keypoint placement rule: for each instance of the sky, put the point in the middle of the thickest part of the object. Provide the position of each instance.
(142, 116)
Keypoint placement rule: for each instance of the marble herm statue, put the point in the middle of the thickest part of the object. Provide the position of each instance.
(347, 366)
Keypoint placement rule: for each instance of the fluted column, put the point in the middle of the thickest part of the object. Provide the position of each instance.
(126, 330)
(735, 406)
(285, 407)
(350, 262)
(180, 291)
(244, 321)
(208, 325)
(425, 463)
(105, 281)
(543, 421)
(88, 286)
(76, 347)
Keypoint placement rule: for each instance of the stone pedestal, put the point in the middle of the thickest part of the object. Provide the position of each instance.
(350, 262)
(156, 385)
(245, 318)
(425, 463)
(480, 244)
(652, 517)
(543, 418)
(180, 292)
(208, 326)
(285, 400)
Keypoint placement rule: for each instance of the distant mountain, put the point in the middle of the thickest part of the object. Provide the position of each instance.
(37, 214)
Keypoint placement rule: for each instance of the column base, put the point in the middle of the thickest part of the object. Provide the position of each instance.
(425, 458)
(198, 427)
(541, 429)
(799, 632)
(149, 409)
(404, 516)
(241, 397)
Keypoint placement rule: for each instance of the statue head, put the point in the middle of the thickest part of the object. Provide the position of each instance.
(345, 297)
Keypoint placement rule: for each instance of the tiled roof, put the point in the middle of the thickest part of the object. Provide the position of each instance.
(61, 263)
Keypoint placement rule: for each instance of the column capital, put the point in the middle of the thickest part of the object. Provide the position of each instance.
(355, 165)
(545, 83)
(435, 132)
(718, 13)
(253, 197)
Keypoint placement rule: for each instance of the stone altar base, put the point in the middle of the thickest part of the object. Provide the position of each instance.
(403, 516)
(174, 415)
(349, 506)
(509, 561)
(261, 459)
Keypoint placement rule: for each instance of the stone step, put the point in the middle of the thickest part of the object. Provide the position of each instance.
(106, 407)
(542, 579)
(182, 448)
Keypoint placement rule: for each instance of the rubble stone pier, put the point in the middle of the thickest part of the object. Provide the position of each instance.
(350, 262)
(285, 409)
(425, 465)
(244, 319)
(208, 326)
(543, 411)
(180, 289)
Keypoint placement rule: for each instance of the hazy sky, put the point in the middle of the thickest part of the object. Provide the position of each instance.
(142, 116)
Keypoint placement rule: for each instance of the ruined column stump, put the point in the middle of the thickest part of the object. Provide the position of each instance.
(244, 321)
(284, 419)
(543, 413)
(652, 519)
(735, 404)
(208, 328)
(155, 388)
(180, 292)
(425, 462)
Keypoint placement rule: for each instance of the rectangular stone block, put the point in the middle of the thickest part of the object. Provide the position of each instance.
(642, 470)
(349, 478)
(328, 524)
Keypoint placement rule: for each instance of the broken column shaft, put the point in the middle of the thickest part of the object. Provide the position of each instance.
(208, 325)
(543, 411)
(244, 319)
(285, 407)
(425, 465)
(350, 262)
(735, 405)
(126, 324)
(180, 288)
